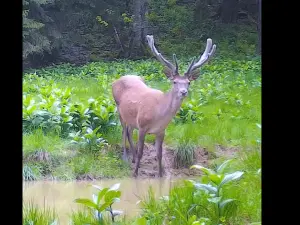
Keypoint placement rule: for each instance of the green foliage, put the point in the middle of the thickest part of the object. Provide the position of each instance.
(210, 201)
(89, 139)
(102, 202)
(33, 215)
(52, 109)
(37, 140)
(225, 208)
(95, 166)
(184, 155)
(31, 172)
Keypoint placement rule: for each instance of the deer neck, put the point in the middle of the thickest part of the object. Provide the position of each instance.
(171, 104)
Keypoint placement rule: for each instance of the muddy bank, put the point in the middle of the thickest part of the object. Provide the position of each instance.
(149, 165)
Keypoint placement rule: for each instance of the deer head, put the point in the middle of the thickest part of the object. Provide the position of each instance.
(181, 83)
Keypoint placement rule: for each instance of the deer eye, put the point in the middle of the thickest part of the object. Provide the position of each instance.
(174, 82)
(189, 83)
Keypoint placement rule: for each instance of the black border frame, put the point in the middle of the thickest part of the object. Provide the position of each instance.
(273, 109)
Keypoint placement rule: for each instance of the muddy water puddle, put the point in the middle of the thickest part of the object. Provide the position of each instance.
(60, 195)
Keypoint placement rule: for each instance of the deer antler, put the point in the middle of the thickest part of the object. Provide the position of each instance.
(209, 51)
(160, 57)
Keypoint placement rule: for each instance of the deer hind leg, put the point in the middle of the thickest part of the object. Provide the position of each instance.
(124, 136)
(141, 141)
(158, 146)
(132, 148)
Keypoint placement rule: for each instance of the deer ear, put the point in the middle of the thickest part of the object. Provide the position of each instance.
(169, 73)
(194, 75)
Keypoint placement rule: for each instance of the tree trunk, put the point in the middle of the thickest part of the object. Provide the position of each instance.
(229, 11)
(140, 25)
(259, 26)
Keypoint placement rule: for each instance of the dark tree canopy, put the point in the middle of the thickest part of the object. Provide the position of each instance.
(80, 31)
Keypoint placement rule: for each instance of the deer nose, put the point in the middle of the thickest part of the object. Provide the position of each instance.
(183, 92)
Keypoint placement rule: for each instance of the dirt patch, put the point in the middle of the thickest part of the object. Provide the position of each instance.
(149, 165)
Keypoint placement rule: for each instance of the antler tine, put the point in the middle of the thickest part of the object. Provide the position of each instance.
(190, 66)
(159, 55)
(209, 51)
(176, 63)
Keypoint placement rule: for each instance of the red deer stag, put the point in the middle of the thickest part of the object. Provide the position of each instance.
(150, 110)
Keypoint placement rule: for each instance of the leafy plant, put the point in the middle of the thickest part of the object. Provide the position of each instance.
(224, 208)
(102, 202)
(88, 138)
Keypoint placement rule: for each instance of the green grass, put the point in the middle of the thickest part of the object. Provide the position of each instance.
(67, 162)
(32, 214)
(223, 108)
(37, 140)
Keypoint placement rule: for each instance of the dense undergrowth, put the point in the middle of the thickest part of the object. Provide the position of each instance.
(70, 122)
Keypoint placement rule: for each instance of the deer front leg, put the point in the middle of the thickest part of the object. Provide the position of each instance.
(158, 146)
(124, 134)
(132, 148)
(141, 141)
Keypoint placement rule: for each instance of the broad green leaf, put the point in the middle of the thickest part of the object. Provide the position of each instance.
(37, 120)
(86, 202)
(141, 221)
(192, 219)
(111, 194)
(215, 178)
(197, 223)
(221, 168)
(230, 177)
(225, 202)
(205, 170)
(207, 187)
(96, 129)
(88, 136)
(104, 206)
(215, 200)
(101, 194)
(30, 109)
